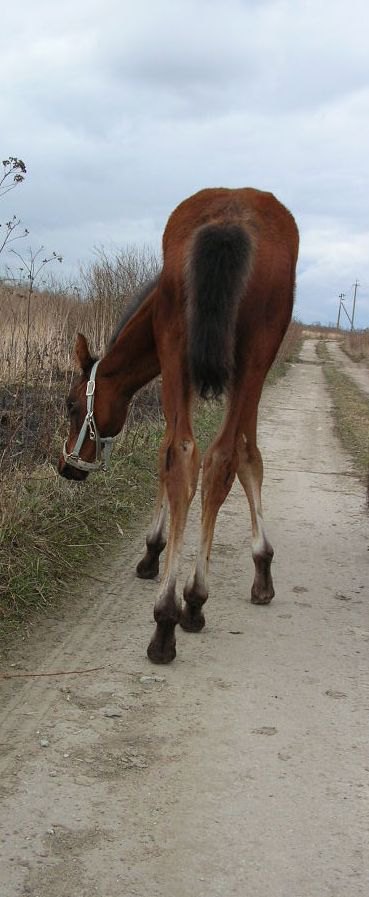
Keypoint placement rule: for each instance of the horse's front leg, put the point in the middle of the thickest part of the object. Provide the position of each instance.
(181, 475)
(148, 567)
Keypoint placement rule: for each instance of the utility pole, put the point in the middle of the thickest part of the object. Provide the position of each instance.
(355, 285)
(341, 298)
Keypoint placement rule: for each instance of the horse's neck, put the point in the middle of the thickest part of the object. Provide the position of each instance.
(133, 358)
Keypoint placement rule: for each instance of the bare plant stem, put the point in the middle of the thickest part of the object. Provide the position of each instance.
(33, 268)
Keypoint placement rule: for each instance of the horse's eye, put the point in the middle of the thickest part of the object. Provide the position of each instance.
(71, 406)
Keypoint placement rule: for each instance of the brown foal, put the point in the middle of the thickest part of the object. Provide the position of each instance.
(211, 323)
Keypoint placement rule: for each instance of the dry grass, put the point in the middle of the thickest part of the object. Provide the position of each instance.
(50, 528)
(55, 318)
(356, 345)
(36, 361)
(288, 352)
(351, 411)
(57, 314)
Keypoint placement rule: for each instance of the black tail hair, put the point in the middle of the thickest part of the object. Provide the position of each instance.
(217, 273)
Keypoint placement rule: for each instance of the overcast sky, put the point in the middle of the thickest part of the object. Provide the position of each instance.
(122, 109)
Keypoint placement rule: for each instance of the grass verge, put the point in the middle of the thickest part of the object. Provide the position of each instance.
(51, 528)
(289, 352)
(356, 345)
(351, 411)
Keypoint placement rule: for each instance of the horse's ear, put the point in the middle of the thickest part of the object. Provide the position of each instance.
(82, 353)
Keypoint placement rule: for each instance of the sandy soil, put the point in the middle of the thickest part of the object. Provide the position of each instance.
(243, 768)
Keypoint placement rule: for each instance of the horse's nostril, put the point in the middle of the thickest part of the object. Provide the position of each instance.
(71, 473)
(65, 471)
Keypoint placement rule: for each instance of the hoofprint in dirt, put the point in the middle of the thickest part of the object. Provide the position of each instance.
(357, 371)
(243, 767)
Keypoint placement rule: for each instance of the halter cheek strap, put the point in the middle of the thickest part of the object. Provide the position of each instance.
(104, 444)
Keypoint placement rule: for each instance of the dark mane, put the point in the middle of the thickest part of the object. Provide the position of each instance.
(133, 305)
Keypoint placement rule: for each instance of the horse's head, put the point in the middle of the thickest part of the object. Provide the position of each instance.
(95, 417)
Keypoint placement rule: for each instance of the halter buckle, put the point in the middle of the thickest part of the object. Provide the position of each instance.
(90, 388)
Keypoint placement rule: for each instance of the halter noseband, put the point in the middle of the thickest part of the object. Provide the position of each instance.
(103, 444)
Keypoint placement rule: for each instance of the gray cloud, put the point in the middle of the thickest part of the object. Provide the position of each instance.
(121, 110)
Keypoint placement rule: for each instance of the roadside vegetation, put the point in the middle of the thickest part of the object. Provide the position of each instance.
(288, 353)
(356, 344)
(351, 411)
(52, 531)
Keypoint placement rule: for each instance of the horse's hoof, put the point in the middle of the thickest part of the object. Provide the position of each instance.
(162, 648)
(148, 568)
(261, 598)
(192, 619)
(160, 655)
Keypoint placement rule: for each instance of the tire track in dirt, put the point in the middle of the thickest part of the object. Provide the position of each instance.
(243, 767)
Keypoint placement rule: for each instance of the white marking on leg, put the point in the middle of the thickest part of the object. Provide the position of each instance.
(260, 542)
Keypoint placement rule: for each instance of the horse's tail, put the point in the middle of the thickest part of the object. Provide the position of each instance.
(219, 265)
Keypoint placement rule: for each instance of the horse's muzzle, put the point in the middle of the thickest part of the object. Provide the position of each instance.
(71, 473)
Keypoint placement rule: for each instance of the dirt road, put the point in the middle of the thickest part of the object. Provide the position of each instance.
(243, 768)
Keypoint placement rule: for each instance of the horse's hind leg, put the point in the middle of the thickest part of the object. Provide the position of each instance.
(219, 471)
(250, 474)
(181, 468)
(231, 453)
